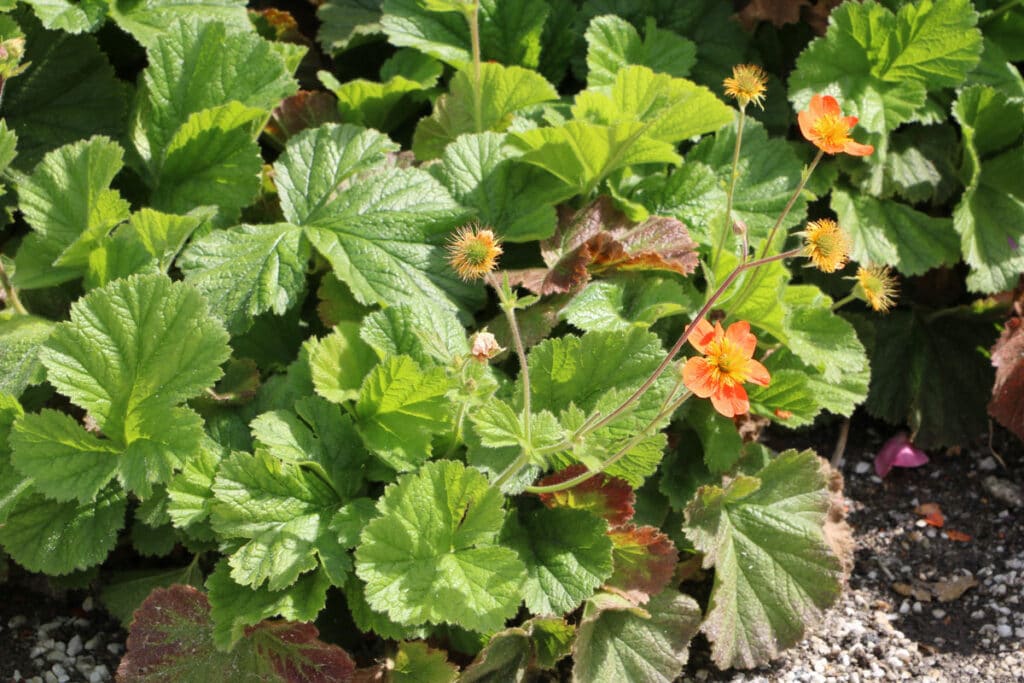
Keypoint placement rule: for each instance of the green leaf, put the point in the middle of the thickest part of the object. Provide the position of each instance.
(883, 64)
(613, 44)
(818, 336)
(69, 93)
(884, 231)
(124, 591)
(315, 163)
(774, 571)
(347, 23)
(86, 463)
(426, 332)
(629, 301)
(318, 435)
(234, 607)
(148, 20)
(163, 235)
(990, 213)
(597, 372)
(914, 382)
(567, 555)
(172, 639)
(722, 443)
(21, 337)
(769, 170)
(62, 15)
(790, 399)
(116, 257)
(582, 154)
(416, 662)
(190, 492)
(212, 159)
(384, 238)
(58, 538)
(619, 642)
(514, 199)
(671, 109)
(431, 554)
(131, 352)
(407, 79)
(400, 408)
(509, 31)
(280, 509)
(506, 657)
(196, 66)
(247, 271)
(339, 362)
(502, 91)
(68, 201)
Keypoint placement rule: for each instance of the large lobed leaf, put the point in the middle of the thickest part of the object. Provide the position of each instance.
(432, 555)
(883, 64)
(172, 639)
(774, 571)
(130, 354)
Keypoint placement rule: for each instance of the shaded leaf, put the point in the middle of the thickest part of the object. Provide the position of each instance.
(607, 497)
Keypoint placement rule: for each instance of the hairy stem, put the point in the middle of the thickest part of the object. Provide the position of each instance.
(792, 200)
(473, 19)
(727, 228)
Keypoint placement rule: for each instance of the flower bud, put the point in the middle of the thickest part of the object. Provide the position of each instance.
(485, 346)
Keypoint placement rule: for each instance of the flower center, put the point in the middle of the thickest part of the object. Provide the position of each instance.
(727, 362)
(832, 130)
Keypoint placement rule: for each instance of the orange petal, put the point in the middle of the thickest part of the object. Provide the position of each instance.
(703, 333)
(731, 401)
(850, 122)
(739, 334)
(857, 150)
(806, 120)
(757, 373)
(828, 105)
(697, 377)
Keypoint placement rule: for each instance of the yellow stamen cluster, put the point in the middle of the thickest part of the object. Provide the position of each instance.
(826, 244)
(877, 286)
(473, 251)
(748, 84)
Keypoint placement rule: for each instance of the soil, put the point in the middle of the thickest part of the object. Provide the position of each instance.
(889, 625)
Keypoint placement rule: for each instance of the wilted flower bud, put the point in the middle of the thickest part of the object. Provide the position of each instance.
(12, 49)
(877, 286)
(826, 245)
(748, 84)
(485, 346)
(473, 252)
(739, 227)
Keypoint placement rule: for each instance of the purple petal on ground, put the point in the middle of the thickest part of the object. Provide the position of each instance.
(898, 452)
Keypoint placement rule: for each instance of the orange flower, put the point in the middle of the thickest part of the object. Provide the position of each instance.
(824, 124)
(726, 365)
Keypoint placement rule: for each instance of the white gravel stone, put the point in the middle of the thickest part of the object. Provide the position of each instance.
(87, 604)
(16, 621)
(74, 645)
(1004, 630)
(862, 467)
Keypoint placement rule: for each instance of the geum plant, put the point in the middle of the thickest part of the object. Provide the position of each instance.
(466, 506)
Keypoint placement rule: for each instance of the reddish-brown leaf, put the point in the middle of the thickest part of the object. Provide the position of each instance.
(305, 109)
(608, 497)
(778, 12)
(954, 535)
(296, 654)
(645, 560)
(1007, 404)
(932, 514)
(600, 239)
(171, 639)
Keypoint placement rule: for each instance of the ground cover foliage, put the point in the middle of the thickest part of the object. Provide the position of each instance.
(254, 338)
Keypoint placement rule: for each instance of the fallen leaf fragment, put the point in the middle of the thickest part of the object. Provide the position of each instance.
(932, 514)
(918, 590)
(955, 535)
(947, 591)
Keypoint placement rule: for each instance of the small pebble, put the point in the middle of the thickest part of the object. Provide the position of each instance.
(862, 467)
(938, 613)
(74, 645)
(115, 648)
(1004, 631)
(87, 604)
